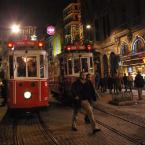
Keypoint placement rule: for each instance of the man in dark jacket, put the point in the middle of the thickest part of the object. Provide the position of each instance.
(81, 100)
(139, 84)
(125, 81)
(110, 83)
(90, 91)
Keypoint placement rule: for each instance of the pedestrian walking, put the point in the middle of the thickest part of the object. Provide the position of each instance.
(139, 84)
(125, 81)
(110, 83)
(130, 81)
(90, 91)
(105, 83)
(102, 84)
(97, 80)
(82, 100)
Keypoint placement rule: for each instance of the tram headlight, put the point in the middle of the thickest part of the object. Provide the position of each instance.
(27, 95)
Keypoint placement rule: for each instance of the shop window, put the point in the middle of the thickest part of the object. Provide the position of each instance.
(138, 45)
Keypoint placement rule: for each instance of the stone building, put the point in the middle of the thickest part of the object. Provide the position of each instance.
(71, 19)
(118, 30)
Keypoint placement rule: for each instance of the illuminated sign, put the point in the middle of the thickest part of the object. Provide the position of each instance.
(50, 30)
(25, 43)
(130, 69)
(78, 47)
(56, 44)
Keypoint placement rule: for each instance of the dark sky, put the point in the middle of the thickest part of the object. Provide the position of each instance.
(31, 12)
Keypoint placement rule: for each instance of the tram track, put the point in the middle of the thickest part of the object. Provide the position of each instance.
(122, 118)
(26, 130)
(38, 132)
(117, 125)
(46, 131)
(33, 129)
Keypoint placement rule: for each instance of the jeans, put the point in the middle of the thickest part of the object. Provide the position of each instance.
(85, 105)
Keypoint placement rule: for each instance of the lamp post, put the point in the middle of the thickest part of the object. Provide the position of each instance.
(88, 30)
(88, 26)
(15, 30)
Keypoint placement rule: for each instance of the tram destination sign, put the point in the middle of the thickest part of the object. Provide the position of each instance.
(25, 43)
(78, 47)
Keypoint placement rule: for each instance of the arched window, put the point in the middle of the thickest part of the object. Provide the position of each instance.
(124, 49)
(105, 62)
(138, 45)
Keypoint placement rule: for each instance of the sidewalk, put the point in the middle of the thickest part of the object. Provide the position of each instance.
(134, 112)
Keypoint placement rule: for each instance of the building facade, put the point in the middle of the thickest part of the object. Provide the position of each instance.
(72, 23)
(118, 30)
(28, 31)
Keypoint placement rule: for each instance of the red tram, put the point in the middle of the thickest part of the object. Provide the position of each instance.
(27, 75)
(65, 68)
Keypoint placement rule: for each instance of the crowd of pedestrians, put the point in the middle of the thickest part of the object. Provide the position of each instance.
(116, 83)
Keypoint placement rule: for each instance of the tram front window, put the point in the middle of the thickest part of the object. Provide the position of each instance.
(70, 66)
(77, 65)
(32, 66)
(84, 65)
(91, 64)
(41, 66)
(21, 67)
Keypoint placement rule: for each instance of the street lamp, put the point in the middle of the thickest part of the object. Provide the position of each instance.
(88, 32)
(15, 28)
(88, 26)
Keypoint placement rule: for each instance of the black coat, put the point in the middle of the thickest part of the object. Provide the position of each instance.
(78, 90)
(139, 82)
(90, 91)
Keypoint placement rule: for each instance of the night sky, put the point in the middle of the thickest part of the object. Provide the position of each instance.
(31, 12)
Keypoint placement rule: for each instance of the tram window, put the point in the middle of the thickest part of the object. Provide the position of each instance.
(41, 66)
(70, 66)
(65, 67)
(11, 66)
(84, 64)
(77, 65)
(21, 66)
(32, 66)
(91, 64)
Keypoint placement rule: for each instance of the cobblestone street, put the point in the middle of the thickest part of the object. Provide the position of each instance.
(53, 126)
(120, 125)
